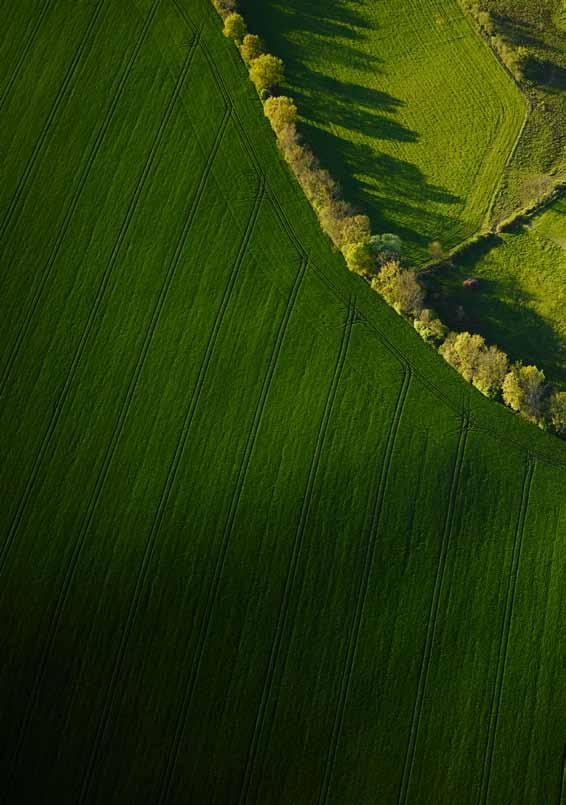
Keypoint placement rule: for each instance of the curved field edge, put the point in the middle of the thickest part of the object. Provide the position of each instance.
(392, 96)
(264, 481)
(394, 329)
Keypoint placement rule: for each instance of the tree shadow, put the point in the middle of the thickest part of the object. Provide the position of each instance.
(393, 192)
(500, 311)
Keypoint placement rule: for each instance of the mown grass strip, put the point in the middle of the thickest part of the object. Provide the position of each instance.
(354, 633)
(433, 615)
(62, 233)
(95, 308)
(24, 54)
(296, 553)
(36, 153)
(506, 628)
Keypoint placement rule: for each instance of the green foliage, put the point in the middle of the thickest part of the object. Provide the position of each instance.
(524, 390)
(224, 7)
(386, 247)
(463, 351)
(430, 328)
(400, 288)
(235, 27)
(266, 72)
(282, 114)
(251, 48)
(359, 258)
(490, 372)
(558, 412)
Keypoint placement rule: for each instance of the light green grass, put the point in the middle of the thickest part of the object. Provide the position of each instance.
(521, 304)
(540, 158)
(258, 543)
(404, 104)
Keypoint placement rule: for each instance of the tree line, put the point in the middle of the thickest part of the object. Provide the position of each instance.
(378, 258)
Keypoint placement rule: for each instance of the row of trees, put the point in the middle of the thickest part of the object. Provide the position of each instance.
(378, 258)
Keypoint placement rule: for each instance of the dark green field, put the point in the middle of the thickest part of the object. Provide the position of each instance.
(259, 544)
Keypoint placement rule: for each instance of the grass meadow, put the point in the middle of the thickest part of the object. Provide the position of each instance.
(405, 105)
(521, 304)
(258, 543)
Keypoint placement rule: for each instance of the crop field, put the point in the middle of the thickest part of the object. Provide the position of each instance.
(521, 304)
(258, 543)
(404, 103)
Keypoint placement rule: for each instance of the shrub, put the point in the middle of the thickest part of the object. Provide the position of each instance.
(355, 229)
(251, 48)
(558, 412)
(235, 27)
(430, 328)
(359, 258)
(386, 247)
(224, 7)
(266, 72)
(463, 351)
(281, 113)
(400, 288)
(523, 391)
(490, 372)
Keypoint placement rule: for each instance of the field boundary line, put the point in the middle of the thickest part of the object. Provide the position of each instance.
(77, 194)
(58, 406)
(173, 468)
(354, 633)
(40, 142)
(228, 528)
(495, 706)
(296, 552)
(113, 443)
(23, 55)
(434, 610)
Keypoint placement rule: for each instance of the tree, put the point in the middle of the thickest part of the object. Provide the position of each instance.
(490, 372)
(386, 247)
(251, 48)
(281, 113)
(400, 288)
(523, 391)
(558, 412)
(224, 7)
(359, 258)
(266, 71)
(354, 229)
(235, 27)
(430, 328)
(463, 351)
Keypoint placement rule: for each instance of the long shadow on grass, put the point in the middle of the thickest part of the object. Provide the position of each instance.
(394, 192)
(500, 312)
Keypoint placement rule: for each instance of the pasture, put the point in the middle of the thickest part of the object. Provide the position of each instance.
(404, 104)
(258, 543)
(521, 303)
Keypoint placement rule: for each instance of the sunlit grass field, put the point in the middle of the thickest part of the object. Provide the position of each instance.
(258, 543)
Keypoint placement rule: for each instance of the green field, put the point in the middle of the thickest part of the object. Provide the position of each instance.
(521, 303)
(258, 543)
(538, 26)
(404, 103)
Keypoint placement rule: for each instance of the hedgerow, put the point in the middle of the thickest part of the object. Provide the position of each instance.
(377, 258)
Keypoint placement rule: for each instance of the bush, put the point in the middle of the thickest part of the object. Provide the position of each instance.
(463, 351)
(281, 113)
(266, 72)
(359, 258)
(355, 229)
(224, 7)
(251, 48)
(430, 328)
(400, 288)
(558, 412)
(235, 27)
(524, 390)
(490, 372)
(386, 247)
